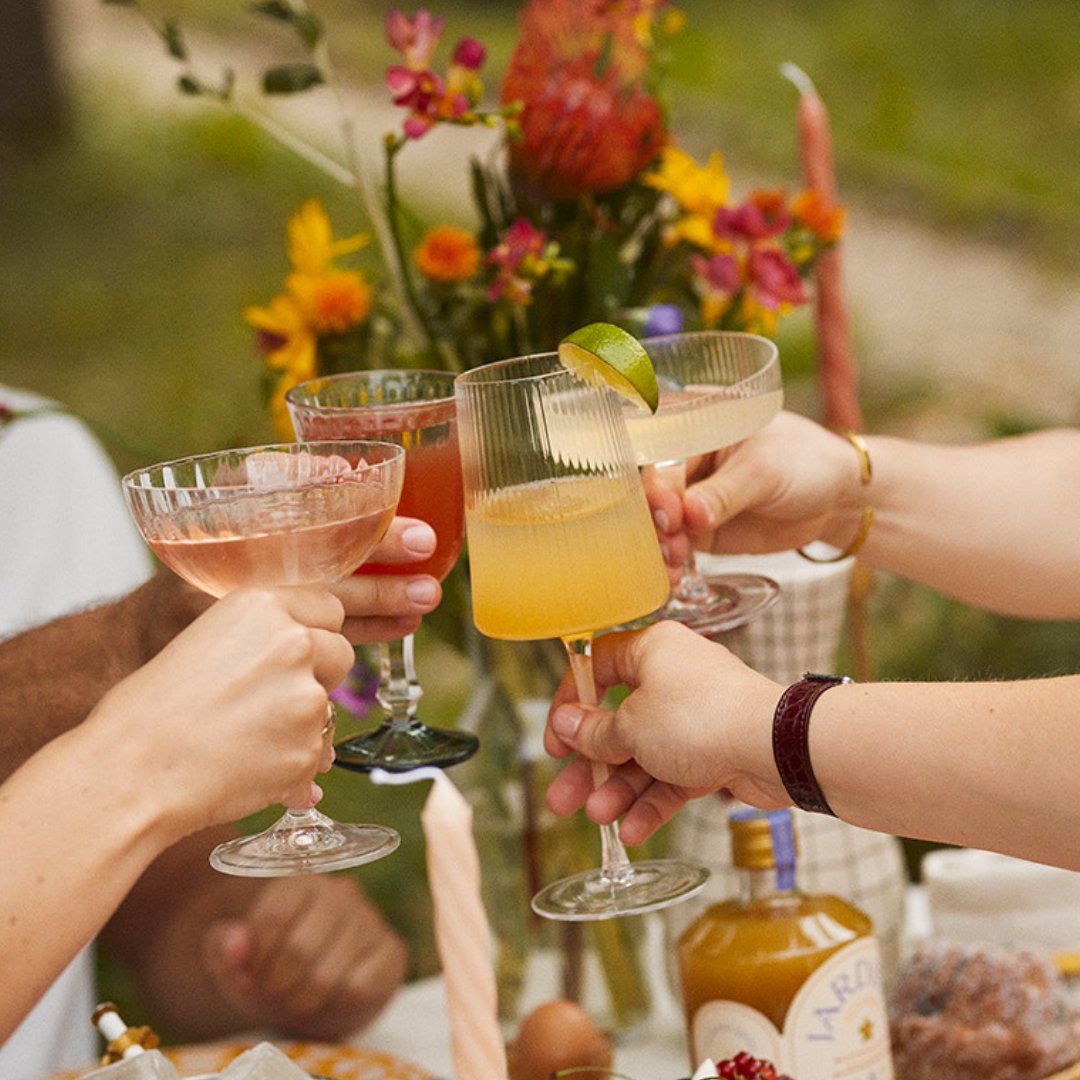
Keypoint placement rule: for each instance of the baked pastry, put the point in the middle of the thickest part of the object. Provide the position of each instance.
(960, 1012)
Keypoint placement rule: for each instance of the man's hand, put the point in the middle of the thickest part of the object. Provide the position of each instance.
(311, 957)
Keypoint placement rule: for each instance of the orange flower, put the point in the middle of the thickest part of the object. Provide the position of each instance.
(448, 254)
(812, 211)
(333, 301)
(589, 123)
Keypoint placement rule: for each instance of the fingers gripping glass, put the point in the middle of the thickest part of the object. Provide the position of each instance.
(561, 545)
(415, 409)
(716, 388)
(290, 514)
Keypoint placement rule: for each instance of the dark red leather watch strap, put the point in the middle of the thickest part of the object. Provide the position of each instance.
(791, 740)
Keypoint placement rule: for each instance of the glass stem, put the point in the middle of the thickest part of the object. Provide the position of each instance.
(399, 690)
(615, 863)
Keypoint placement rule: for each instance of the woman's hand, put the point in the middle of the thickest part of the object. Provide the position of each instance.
(696, 720)
(230, 714)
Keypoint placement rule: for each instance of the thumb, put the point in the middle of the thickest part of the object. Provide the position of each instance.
(592, 732)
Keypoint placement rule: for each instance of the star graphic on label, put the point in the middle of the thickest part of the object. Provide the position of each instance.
(866, 1030)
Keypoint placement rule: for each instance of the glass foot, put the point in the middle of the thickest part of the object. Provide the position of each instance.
(732, 599)
(303, 842)
(398, 749)
(633, 890)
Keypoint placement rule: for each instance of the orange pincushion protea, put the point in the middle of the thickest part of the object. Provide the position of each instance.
(588, 124)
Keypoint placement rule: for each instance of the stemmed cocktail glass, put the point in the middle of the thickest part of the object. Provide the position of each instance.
(716, 388)
(416, 409)
(291, 514)
(561, 544)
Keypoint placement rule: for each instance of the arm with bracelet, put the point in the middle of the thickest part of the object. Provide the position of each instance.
(983, 764)
(991, 523)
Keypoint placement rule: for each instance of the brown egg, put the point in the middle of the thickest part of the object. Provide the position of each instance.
(559, 1035)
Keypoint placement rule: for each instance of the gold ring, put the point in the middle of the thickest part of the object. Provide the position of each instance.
(330, 720)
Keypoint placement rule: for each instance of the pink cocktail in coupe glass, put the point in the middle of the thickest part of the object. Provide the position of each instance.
(415, 408)
(290, 514)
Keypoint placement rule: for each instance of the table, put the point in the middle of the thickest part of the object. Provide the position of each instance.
(415, 1025)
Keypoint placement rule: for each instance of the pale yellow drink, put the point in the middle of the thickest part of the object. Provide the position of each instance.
(562, 558)
(696, 420)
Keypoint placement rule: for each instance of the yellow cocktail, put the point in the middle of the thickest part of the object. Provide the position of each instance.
(562, 558)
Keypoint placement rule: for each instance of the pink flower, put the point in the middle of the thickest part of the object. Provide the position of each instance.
(469, 54)
(755, 219)
(416, 39)
(774, 279)
(720, 273)
(518, 259)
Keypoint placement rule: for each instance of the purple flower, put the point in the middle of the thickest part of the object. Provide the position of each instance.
(663, 319)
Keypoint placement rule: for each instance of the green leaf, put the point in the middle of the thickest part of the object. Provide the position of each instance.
(308, 26)
(170, 34)
(189, 85)
(291, 78)
(120, 3)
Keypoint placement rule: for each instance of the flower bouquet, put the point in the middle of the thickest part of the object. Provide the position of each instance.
(586, 210)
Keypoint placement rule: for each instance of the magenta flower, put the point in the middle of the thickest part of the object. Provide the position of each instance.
(469, 54)
(750, 221)
(774, 279)
(518, 259)
(720, 273)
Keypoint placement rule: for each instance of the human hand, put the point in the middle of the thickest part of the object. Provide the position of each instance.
(665, 500)
(696, 720)
(311, 957)
(786, 485)
(232, 709)
(385, 607)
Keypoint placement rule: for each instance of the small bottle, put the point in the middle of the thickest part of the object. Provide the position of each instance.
(130, 1052)
(780, 975)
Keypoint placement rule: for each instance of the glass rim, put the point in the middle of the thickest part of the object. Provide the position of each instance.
(392, 453)
(293, 394)
(464, 378)
(697, 335)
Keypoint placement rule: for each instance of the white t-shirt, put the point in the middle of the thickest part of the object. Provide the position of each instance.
(67, 543)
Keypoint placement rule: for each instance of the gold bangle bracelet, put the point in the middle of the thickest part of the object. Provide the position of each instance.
(866, 474)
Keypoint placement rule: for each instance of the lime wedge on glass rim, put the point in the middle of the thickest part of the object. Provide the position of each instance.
(606, 355)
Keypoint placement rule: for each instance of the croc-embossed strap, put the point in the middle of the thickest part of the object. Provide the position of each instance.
(791, 740)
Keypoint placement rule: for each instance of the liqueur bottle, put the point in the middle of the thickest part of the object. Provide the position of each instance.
(780, 975)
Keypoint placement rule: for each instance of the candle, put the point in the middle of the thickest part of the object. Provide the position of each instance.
(462, 935)
(836, 361)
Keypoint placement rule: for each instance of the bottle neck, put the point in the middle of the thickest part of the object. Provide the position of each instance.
(769, 881)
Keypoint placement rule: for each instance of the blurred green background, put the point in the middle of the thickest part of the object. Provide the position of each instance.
(133, 238)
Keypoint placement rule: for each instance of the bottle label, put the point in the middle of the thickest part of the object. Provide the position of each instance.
(835, 1029)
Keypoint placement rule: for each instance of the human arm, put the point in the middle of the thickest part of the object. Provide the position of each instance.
(82, 818)
(53, 674)
(988, 764)
(985, 523)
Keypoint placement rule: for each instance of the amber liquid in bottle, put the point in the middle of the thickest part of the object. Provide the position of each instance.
(792, 978)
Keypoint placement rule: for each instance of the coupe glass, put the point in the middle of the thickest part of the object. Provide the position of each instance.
(291, 514)
(415, 409)
(716, 388)
(561, 544)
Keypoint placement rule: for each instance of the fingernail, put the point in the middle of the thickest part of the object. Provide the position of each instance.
(419, 539)
(664, 552)
(661, 520)
(705, 508)
(421, 590)
(566, 720)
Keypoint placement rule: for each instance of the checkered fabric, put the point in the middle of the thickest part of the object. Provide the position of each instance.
(799, 633)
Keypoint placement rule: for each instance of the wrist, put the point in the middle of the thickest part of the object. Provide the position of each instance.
(757, 778)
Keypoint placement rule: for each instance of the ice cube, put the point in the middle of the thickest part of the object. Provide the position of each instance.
(263, 1062)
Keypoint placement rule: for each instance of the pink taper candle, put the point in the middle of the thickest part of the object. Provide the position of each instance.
(836, 361)
(462, 935)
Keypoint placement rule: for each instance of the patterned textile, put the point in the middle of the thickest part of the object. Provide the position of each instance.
(799, 633)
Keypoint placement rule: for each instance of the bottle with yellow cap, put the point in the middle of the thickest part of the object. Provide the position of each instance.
(781, 975)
